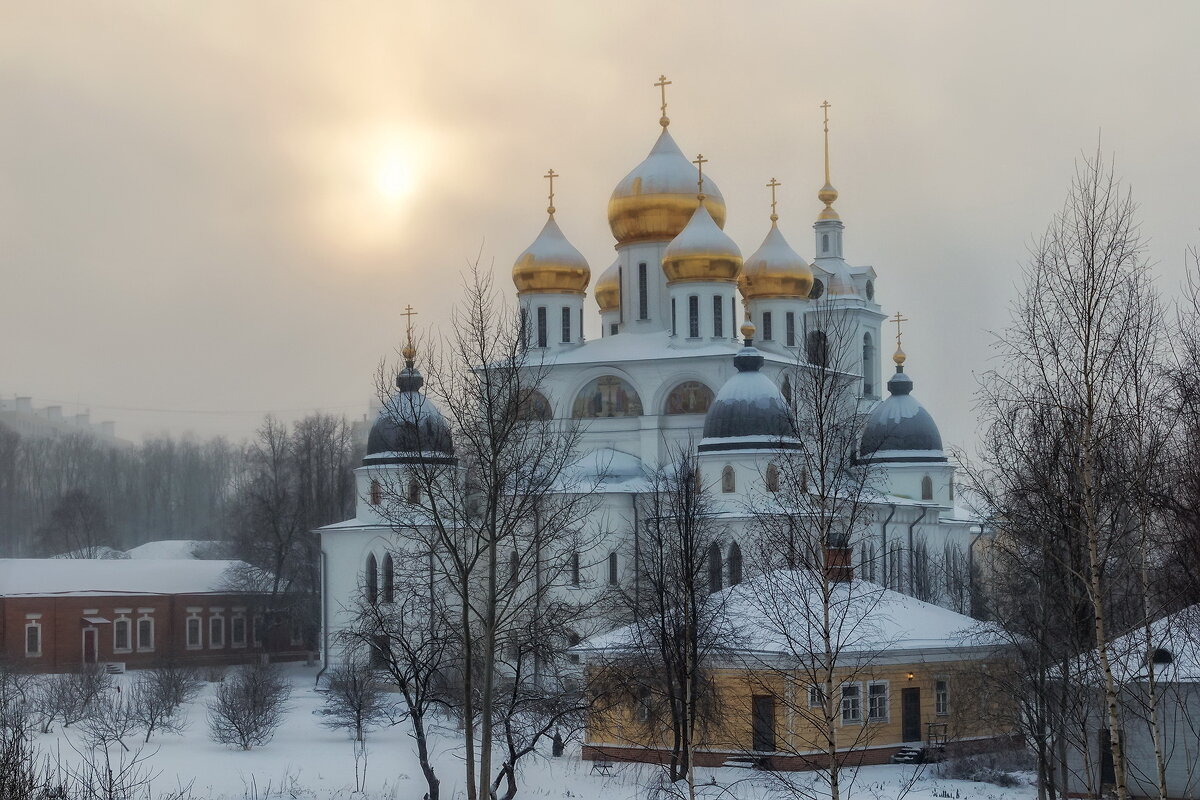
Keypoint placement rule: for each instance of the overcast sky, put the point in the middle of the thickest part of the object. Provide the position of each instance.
(213, 210)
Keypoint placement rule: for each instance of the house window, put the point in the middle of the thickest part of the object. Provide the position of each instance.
(216, 631)
(121, 635)
(735, 564)
(790, 320)
(371, 579)
(851, 703)
(714, 567)
(727, 479)
(927, 488)
(643, 293)
(566, 324)
(194, 633)
(542, 335)
(766, 331)
(816, 696)
(33, 639)
(694, 316)
(376, 493)
(772, 478)
(645, 706)
(718, 322)
(612, 569)
(574, 569)
(237, 629)
(877, 702)
(145, 634)
(389, 579)
(941, 697)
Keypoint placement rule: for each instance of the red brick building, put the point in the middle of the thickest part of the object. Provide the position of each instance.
(57, 614)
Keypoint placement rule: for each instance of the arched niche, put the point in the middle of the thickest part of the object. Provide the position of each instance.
(689, 397)
(607, 396)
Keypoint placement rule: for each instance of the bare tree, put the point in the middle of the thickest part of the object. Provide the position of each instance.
(112, 717)
(78, 526)
(357, 700)
(159, 695)
(69, 697)
(249, 705)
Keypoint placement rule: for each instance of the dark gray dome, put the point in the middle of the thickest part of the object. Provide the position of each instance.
(748, 412)
(409, 427)
(900, 429)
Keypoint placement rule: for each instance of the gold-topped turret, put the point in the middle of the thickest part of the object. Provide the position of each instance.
(775, 269)
(748, 329)
(899, 357)
(551, 265)
(409, 351)
(827, 194)
(701, 251)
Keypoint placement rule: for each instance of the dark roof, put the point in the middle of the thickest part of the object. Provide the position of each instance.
(900, 425)
(749, 409)
(409, 423)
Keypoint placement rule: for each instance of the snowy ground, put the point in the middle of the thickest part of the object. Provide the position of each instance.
(307, 760)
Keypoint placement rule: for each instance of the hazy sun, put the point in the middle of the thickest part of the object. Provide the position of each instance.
(393, 176)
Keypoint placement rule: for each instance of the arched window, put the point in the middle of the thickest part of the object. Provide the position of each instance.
(534, 406)
(607, 396)
(818, 348)
(389, 579)
(772, 478)
(689, 397)
(694, 316)
(871, 290)
(612, 569)
(927, 488)
(818, 289)
(1161, 656)
(727, 480)
(414, 492)
(714, 567)
(735, 564)
(376, 493)
(371, 579)
(868, 366)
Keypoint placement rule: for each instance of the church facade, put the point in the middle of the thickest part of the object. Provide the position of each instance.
(673, 373)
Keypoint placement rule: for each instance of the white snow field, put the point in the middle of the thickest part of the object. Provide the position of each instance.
(308, 760)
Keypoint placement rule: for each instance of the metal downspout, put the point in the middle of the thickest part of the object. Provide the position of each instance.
(912, 552)
(884, 554)
(324, 620)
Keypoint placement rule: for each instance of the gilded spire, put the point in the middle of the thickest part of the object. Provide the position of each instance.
(662, 84)
(899, 357)
(700, 161)
(410, 349)
(827, 194)
(774, 184)
(551, 175)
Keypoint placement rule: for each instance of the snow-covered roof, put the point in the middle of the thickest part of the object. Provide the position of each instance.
(650, 347)
(171, 548)
(778, 614)
(1176, 635)
(37, 577)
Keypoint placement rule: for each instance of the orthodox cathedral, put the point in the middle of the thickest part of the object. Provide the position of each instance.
(670, 373)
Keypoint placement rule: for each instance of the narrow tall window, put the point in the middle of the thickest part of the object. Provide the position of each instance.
(216, 631)
(674, 327)
(376, 493)
(612, 569)
(33, 639)
(414, 492)
(735, 564)
(542, 336)
(868, 366)
(612, 329)
(727, 479)
(566, 324)
(371, 579)
(824, 242)
(145, 633)
(524, 328)
(714, 567)
(941, 697)
(766, 331)
(877, 702)
(514, 566)
(389, 579)
(772, 478)
(694, 317)
(718, 322)
(643, 293)
(927, 488)
(818, 348)
(791, 329)
(733, 317)
(574, 569)
(621, 294)
(237, 630)
(193, 632)
(121, 635)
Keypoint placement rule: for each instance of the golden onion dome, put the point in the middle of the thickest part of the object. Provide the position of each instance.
(775, 270)
(655, 201)
(608, 288)
(551, 265)
(702, 252)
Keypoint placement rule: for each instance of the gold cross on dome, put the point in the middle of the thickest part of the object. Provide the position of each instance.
(826, 106)
(409, 313)
(662, 84)
(551, 175)
(700, 161)
(772, 186)
(898, 319)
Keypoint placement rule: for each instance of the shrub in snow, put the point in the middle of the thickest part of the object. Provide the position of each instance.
(996, 768)
(248, 706)
(159, 694)
(357, 700)
(69, 697)
(111, 718)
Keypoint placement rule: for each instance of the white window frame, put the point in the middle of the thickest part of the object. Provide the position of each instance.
(216, 616)
(144, 615)
(239, 614)
(123, 619)
(816, 696)
(33, 622)
(187, 631)
(941, 698)
(887, 702)
(856, 703)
